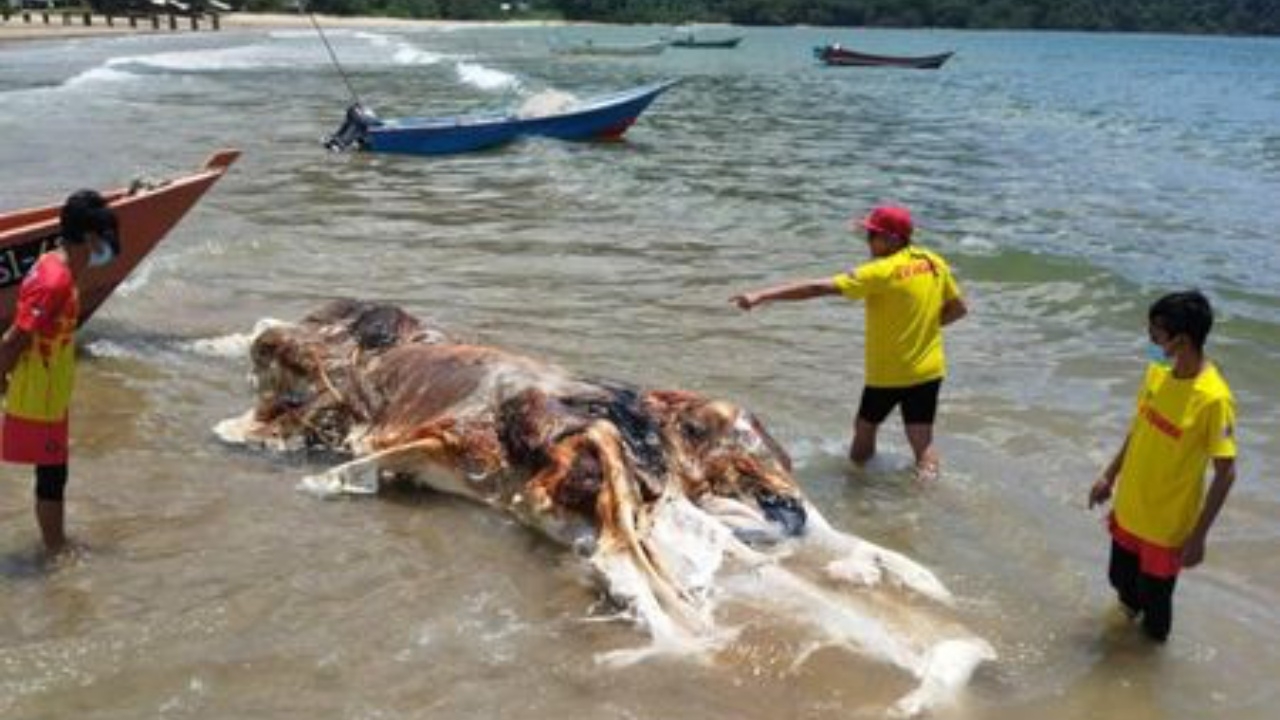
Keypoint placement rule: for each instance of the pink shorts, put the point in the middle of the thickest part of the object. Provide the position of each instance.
(32, 442)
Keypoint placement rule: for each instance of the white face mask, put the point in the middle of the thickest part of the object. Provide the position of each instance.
(101, 254)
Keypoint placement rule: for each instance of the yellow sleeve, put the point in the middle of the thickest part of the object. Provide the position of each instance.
(861, 282)
(950, 288)
(1221, 428)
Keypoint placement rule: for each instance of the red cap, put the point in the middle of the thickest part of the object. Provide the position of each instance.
(890, 220)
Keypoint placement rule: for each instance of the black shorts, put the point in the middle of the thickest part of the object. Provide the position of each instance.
(1143, 594)
(919, 403)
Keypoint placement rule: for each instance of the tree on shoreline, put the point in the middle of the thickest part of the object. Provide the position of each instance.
(1257, 17)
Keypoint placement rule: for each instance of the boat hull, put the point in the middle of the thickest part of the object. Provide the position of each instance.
(144, 217)
(844, 57)
(605, 117)
(695, 44)
(618, 50)
(441, 136)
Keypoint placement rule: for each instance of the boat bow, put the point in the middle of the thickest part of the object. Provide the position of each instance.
(146, 212)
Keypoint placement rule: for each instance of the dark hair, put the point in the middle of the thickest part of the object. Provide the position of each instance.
(84, 212)
(1183, 313)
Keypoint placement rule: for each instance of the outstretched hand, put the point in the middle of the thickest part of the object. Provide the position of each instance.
(745, 301)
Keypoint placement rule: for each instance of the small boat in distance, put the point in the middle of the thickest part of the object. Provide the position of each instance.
(836, 54)
(687, 39)
(146, 211)
(604, 117)
(591, 47)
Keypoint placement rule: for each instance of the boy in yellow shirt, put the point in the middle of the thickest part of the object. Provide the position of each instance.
(1185, 417)
(910, 294)
(38, 355)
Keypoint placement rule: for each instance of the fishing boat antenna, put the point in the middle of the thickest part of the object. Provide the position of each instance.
(334, 57)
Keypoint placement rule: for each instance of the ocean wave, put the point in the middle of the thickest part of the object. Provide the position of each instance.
(290, 50)
(111, 72)
(375, 39)
(408, 54)
(230, 346)
(486, 78)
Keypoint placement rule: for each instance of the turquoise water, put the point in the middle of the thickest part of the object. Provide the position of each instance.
(1070, 178)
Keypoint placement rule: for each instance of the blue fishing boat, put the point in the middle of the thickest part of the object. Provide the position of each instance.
(604, 117)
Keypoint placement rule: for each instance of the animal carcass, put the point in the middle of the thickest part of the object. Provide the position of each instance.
(663, 492)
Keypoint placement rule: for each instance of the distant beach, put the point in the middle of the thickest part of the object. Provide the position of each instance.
(15, 30)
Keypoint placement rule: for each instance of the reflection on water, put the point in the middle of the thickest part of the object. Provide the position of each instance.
(1070, 179)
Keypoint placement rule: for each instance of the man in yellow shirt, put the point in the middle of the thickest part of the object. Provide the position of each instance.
(910, 294)
(1185, 417)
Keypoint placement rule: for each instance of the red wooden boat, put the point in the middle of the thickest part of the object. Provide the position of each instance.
(146, 214)
(836, 54)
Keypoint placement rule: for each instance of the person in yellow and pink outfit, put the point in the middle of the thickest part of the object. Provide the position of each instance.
(38, 356)
(1184, 420)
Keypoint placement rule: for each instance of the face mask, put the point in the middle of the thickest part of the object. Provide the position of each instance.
(1155, 354)
(102, 254)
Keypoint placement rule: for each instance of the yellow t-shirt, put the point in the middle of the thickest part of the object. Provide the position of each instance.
(904, 293)
(1179, 425)
(39, 394)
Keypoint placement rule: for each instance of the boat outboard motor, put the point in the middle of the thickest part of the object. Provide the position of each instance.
(354, 127)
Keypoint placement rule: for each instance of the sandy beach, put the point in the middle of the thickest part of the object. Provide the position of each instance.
(15, 29)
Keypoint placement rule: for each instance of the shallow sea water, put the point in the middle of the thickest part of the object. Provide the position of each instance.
(1070, 179)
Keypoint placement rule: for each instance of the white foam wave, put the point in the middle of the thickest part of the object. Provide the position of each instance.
(547, 102)
(486, 78)
(109, 72)
(375, 39)
(133, 67)
(295, 49)
(252, 57)
(403, 52)
(407, 54)
(973, 243)
(234, 345)
(137, 279)
(104, 348)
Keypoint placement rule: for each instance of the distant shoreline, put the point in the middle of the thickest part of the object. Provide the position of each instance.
(15, 30)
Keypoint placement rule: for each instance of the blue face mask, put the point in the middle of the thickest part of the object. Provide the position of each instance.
(1155, 354)
(103, 253)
